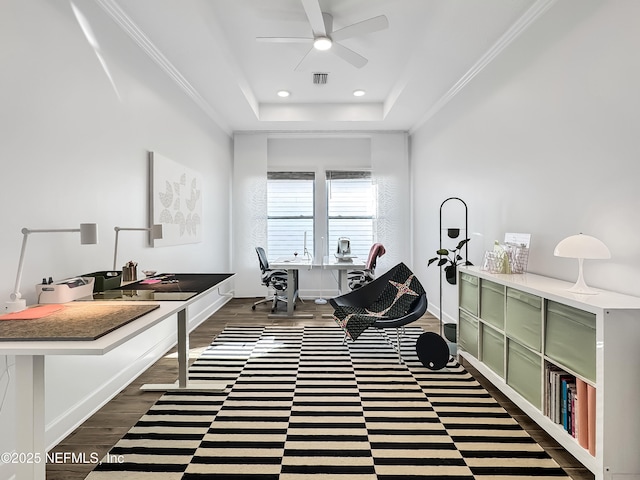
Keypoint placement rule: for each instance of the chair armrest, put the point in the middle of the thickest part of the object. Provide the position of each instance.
(276, 279)
(355, 272)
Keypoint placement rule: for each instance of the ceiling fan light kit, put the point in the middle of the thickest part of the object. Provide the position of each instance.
(325, 38)
(322, 43)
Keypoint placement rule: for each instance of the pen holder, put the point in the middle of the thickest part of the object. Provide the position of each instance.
(129, 273)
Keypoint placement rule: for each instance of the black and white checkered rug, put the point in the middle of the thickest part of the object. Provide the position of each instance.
(304, 406)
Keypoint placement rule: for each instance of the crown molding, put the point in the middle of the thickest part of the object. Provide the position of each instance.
(287, 134)
(113, 9)
(525, 21)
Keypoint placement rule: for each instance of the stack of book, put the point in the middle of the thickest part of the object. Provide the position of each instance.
(571, 403)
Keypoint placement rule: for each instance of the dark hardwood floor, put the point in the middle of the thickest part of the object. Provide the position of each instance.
(100, 432)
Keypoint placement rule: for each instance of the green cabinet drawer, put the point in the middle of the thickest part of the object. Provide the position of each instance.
(570, 338)
(468, 334)
(493, 349)
(469, 293)
(524, 372)
(492, 303)
(524, 318)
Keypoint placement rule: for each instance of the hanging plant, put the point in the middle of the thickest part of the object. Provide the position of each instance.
(450, 259)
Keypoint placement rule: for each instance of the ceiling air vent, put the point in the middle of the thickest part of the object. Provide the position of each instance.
(320, 78)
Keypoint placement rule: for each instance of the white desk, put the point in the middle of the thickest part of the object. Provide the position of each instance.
(331, 262)
(30, 363)
(292, 265)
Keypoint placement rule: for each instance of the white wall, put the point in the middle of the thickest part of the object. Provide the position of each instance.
(249, 211)
(254, 154)
(73, 149)
(545, 141)
(317, 154)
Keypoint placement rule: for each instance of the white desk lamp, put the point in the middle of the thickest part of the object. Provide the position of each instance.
(156, 234)
(582, 246)
(88, 236)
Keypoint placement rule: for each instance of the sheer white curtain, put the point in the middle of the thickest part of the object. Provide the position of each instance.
(249, 218)
(390, 170)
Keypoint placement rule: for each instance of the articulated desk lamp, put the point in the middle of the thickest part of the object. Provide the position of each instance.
(582, 246)
(88, 236)
(156, 234)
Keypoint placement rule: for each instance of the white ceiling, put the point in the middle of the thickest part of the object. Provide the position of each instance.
(430, 50)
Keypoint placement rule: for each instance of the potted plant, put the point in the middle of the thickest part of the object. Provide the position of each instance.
(451, 258)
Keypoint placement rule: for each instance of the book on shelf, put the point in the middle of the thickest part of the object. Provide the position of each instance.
(591, 419)
(571, 407)
(565, 403)
(581, 413)
(570, 402)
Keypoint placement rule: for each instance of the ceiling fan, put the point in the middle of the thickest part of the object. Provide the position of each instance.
(325, 38)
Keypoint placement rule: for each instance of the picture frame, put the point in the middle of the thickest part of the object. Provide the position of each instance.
(175, 201)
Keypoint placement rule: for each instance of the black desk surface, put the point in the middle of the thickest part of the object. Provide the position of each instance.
(172, 286)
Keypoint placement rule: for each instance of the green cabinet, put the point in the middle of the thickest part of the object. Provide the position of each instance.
(524, 372)
(493, 349)
(492, 303)
(469, 293)
(523, 331)
(524, 318)
(468, 334)
(570, 339)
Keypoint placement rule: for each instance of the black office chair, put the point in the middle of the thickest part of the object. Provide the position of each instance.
(392, 300)
(276, 279)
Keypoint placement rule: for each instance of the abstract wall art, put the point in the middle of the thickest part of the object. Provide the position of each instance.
(175, 201)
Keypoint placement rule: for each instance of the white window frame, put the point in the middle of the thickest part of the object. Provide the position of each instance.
(297, 238)
(359, 246)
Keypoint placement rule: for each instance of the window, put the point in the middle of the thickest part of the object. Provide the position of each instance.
(351, 209)
(290, 213)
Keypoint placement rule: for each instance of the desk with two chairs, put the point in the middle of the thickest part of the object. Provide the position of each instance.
(294, 264)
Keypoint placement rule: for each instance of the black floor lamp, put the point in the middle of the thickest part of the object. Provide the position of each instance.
(453, 232)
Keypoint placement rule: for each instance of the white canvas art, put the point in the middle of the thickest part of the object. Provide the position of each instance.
(176, 201)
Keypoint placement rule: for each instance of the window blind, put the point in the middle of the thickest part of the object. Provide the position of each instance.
(351, 209)
(290, 213)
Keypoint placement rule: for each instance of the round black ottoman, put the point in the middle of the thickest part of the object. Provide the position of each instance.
(432, 350)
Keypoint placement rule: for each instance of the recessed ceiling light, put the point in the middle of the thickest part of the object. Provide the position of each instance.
(358, 93)
(322, 43)
(283, 93)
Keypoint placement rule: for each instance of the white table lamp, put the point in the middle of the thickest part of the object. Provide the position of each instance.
(582, 246)
(88, 236)
(156, 233)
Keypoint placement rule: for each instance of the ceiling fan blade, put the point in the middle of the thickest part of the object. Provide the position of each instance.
(305, 60)
(349, 55)
(314, 14)
(361, 28)
(284, 39)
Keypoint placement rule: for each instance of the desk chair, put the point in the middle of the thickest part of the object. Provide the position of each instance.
(276, 279)
(359, 278)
